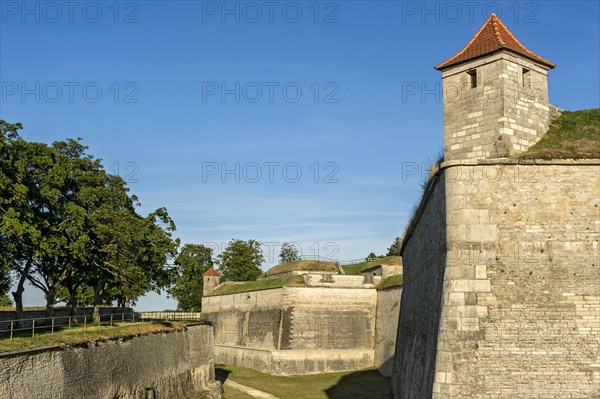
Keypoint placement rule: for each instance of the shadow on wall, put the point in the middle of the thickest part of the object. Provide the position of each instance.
(387, 367)
(365, 384)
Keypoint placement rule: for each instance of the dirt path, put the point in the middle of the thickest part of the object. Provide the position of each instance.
(255, 393)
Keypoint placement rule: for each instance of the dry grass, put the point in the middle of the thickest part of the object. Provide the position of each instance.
(303, 265)
(245, 286)
(29, 308)
(90, 333)
(359, 267)
(573, 135)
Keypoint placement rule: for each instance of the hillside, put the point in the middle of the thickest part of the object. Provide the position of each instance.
(302, 265)
(230, 287)
(573, 135)
(356, 268)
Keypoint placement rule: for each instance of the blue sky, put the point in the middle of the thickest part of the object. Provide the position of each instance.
(280, 121)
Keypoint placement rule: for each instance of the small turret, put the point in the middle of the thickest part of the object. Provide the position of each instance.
(495, 96)
(212, 279)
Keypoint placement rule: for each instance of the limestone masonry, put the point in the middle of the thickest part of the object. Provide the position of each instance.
(501, 295)
(166, 366)
(327, 326)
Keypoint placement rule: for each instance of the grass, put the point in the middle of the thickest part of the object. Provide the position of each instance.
(312, 265)
(359, 267)
(392, 281)
(78, 335)
(363, 384)
(573, 135)
(236, 287)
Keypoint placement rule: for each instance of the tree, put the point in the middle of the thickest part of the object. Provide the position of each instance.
(288, 253)
(26, 191)
(372, 256)
(394, 249)
(241, 260)
(192, 262)
(5, 301)
(70, 228)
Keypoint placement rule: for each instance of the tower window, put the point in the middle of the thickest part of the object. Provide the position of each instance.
(473, 75)
(526, 77)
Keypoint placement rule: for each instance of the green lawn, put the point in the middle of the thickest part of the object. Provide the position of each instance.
(235, 287)
(364, 384)
(392, 281)
(573, 135)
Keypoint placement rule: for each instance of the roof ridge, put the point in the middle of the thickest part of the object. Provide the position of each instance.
(493, 35)
(470, 41)
(494, 19)
(519, 43)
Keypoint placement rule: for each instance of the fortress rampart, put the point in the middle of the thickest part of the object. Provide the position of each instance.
(502, 283)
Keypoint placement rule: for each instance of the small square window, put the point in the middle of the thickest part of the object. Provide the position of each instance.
(473, 75)
(526, 77)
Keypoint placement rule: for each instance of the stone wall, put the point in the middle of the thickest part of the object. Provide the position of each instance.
(424, 261)
(341, 281)
(386, 328)
(520, 313)
(159, 366)
(294, 330)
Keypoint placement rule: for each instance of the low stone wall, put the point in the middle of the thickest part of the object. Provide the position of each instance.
(159, 366)
(341, 281)
(386, 328)
(293, 362)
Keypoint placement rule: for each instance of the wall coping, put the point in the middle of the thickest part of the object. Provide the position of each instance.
(32, 351)
(243, 347)
(513, 161)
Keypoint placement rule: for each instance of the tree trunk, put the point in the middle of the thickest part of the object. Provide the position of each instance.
(74, 304)
(97, 301)
(18, 293)
(50, 300)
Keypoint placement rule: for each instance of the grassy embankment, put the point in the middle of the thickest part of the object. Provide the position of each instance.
(245, 286)
(573, 135)
(302, 265)
(290, 281)
(356, 268)
(63, 336)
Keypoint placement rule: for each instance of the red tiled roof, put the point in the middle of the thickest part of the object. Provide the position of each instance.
(492, 36)
(212, 272)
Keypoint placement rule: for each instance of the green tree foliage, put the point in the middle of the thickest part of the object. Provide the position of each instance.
(25, 192)
(372, 256)
(192, 262)
(288, 253)
(70, 228)
(394, 249)
(5, 301)
(241, 260)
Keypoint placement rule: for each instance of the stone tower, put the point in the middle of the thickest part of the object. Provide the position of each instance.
(495, 96)
(211, 281)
